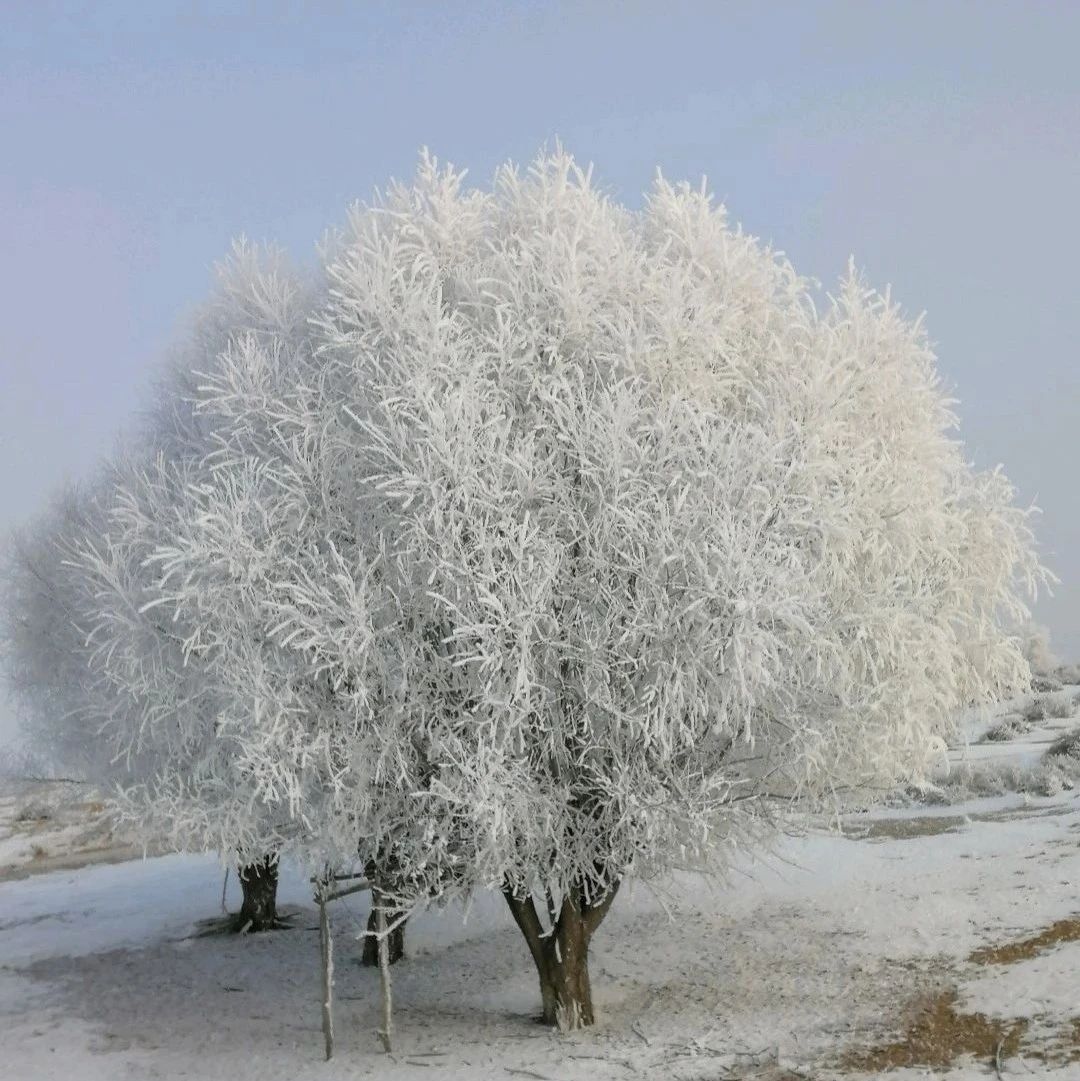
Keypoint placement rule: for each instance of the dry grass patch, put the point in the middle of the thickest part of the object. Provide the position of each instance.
(1024, 949)
(902, 829)
(1068, 1049)
(1059, 1048)
(937, 1035)
(1073, 1048)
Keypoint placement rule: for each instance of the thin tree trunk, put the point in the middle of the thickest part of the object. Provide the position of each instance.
(369, 954)
(259, 882)
(561, 955)
(395, 941)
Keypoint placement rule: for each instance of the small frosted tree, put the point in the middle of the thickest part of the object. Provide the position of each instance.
(44, 645)
(111, 678)
(68, 574)
(584, 543)
(260, 301)
(105, 687)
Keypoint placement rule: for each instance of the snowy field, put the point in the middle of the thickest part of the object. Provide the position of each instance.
(944, 932)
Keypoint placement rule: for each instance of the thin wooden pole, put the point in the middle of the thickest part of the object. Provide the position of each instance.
(338, 878)
(387, 1031)
(326, 951)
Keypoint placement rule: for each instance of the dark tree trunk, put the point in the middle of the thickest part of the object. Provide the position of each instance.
(561, 955)
(369, 955)
(564, 979)
(259, 883)
(395, 940)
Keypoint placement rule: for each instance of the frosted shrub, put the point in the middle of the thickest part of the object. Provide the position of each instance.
(1038, 652)
(1067, 746)
(1008, 728)
(1060, 705)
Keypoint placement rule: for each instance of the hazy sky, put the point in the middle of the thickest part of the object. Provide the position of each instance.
(937, 142)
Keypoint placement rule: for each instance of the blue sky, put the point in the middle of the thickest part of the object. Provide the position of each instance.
(937, 142)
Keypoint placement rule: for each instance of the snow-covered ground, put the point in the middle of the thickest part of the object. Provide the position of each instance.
(947, 931)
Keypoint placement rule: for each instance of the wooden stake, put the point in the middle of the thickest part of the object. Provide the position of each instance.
(326, 950)
(386, 1032)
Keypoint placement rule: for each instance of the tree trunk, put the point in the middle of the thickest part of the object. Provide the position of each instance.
(259, 884)
(369, 954)
(564, 979)
(561, 955)
(395, 940)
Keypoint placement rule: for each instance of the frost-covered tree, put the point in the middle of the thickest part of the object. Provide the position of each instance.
(44, 645)
(99, 671)
(260, 299)
(581, 543)
(99, 662)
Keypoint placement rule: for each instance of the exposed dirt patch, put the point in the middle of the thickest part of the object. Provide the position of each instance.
(1014, 814)
(1068, 1047)
(904, 829)
(1024, 949)
(1074, 1040)
(57, 825)
(43, 863)
(1058, 1048)
(937, 1035)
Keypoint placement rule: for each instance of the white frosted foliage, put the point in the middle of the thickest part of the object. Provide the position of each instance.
(561, 543)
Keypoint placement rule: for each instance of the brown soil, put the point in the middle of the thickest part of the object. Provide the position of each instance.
(1061, 1048)
(1067, 930)
(45, 863)
(903, 829)
(937, 1035)
(1068, 1050)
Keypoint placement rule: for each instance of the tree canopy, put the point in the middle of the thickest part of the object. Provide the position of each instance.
(546, 543)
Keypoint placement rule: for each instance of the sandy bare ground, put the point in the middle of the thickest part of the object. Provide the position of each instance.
(48, 825)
